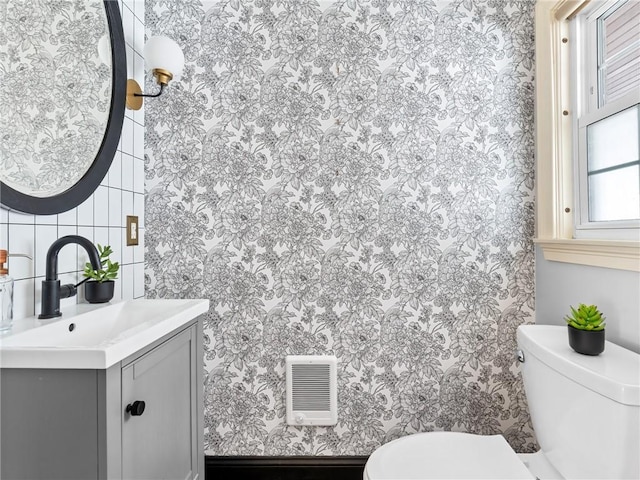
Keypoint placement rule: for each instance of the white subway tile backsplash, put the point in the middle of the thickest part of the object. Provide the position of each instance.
(21, 241)
(127, 251)
(127, 280)
(23, 218)
(37, 296)
(100, 218)
(23, 293)
(138, 115)
(115, 171)
(46, 219)
(127, 199)
(138, 71)
(101, 206)
(105, 179)
(138, 144)
(127, 136)
(4, 235)
(138, 280)
(101, 236)
(138, 250)
(138, 60)
(128, 25)
(86, 232)
(127, 114)
(130, 55)
(85, 212)
(138, 9)
(138, 35)
(127, 172)
(138, 175)
(70, 217)
(117, 289)
(138, 208)
(83, 256)
(115, 207)
(115, 241)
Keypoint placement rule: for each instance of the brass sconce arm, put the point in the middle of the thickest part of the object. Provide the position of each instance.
(150, 95)
(134, 92)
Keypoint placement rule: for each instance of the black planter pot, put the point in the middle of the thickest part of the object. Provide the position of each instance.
(585, 341)
(98, 292)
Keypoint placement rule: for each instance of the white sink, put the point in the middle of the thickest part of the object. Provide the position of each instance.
(94, 337)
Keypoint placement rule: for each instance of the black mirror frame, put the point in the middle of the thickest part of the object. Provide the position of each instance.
(78, 193)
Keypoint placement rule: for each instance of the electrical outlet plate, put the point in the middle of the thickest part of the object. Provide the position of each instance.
(132, 230)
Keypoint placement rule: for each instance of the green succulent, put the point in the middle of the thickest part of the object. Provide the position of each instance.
(109, 270)
(586, 317)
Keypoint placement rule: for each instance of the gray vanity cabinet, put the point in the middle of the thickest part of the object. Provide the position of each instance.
(158, 443)
(74, 424)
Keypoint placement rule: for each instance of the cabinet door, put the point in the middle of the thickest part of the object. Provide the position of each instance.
(160, 443)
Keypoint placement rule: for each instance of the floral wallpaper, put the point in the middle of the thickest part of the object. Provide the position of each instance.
(349, 177)
(55, 92)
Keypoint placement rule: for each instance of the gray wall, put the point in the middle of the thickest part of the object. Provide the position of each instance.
(349, 178)
(615, 292)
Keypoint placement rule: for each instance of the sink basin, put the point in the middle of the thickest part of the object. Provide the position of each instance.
(94, 336)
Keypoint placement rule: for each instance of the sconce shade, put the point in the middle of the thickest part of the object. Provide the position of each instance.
(164, 58)
(104, 49)
(162, 53)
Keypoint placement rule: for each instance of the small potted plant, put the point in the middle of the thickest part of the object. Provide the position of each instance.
(586, 329)
(100, 283)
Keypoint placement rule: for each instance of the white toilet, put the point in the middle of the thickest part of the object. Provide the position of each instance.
(585, 412)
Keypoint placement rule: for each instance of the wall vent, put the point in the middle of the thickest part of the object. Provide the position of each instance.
(312, 395)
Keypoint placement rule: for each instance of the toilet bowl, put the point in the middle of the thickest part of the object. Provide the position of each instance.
(574, 400)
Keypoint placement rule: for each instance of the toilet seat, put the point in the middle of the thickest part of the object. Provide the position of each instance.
(442, 455)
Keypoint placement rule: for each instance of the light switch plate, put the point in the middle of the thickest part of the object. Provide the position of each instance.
(132, 230)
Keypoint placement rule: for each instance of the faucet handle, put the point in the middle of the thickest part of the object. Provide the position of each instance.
(68, 290)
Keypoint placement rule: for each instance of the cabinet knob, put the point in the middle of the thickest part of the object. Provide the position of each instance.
(136, 408)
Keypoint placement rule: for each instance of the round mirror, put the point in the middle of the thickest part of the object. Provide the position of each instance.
(62, 98)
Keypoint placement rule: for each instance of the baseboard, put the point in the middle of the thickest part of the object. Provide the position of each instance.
(284, 468)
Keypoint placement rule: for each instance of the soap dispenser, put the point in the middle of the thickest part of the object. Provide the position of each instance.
(6, 291)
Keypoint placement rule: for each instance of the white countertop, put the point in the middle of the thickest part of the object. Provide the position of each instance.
(94, 336)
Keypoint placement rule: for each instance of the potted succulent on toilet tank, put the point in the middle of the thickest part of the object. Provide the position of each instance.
(586, 329)
(100, 283)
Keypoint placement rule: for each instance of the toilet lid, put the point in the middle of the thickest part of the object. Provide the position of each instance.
(442, 455)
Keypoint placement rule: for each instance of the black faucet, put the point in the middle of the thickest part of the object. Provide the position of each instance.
(52, 292)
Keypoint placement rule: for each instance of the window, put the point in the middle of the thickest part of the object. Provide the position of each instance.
(606, 68)
(556, 140)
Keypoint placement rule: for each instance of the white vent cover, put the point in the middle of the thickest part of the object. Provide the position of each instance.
(312, 395)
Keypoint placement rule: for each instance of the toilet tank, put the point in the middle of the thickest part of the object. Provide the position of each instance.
(585, 409)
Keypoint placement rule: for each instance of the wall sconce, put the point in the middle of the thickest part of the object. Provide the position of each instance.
(164, 58)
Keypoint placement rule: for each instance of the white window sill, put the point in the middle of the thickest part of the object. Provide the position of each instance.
(621, 255)
(554, 150)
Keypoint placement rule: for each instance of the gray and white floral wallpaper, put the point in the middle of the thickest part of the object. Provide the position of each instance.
(349, 177)
(54, 92)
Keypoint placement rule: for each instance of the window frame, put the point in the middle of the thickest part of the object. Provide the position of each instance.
(585, 60)
(554, 149)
